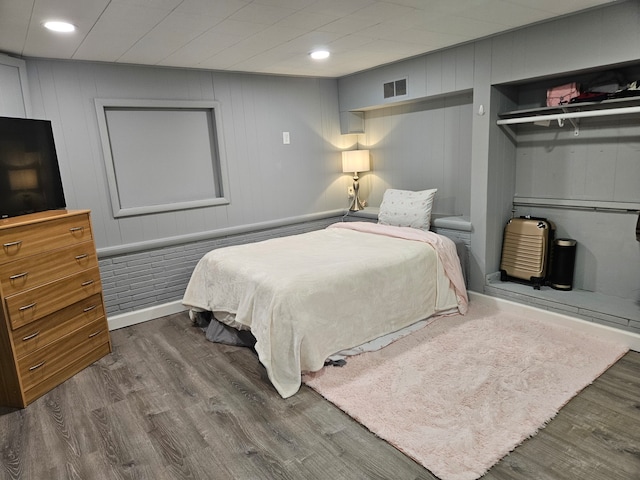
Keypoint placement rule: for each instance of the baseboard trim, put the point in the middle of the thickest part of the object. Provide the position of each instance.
(144, 315)
(632, 340)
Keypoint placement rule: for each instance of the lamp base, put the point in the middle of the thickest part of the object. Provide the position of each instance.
(356, 205)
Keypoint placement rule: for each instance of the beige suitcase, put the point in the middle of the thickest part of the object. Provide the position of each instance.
(526, 250)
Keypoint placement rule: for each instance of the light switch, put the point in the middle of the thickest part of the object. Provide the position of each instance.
(285, 138)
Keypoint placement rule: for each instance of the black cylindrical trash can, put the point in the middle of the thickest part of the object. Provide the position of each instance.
(564, 261)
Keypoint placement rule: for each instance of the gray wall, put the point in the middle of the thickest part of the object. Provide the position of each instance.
(441, 159)
(267, 180)
(601, 164)
(440, 73)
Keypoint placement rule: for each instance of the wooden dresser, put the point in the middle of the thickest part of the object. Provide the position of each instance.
(52, 321)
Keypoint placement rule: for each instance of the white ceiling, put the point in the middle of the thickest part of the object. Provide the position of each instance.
(265, 36)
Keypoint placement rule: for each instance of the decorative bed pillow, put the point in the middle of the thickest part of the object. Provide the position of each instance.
(404, 208)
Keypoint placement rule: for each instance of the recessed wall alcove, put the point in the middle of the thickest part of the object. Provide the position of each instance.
(583, 176)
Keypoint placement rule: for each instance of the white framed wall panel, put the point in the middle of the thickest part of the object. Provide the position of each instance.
(15, 100)
(153, 149)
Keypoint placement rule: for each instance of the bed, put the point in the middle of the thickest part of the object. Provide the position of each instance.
(308, 296)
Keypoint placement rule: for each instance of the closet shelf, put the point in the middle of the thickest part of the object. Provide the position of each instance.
(610, 104)
(569, 115)
(572, 112)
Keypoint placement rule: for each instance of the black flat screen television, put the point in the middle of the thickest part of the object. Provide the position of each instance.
(29, 172)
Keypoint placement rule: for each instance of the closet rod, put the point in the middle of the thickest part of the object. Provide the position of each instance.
(578, 207)
(563, 116)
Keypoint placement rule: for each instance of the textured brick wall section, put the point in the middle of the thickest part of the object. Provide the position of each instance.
(145, 279)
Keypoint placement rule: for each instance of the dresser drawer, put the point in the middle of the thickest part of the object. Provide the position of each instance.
(24, 240)
(35, 270)
(38, 334)
(66, 372)
(44, 363)
(36, 303)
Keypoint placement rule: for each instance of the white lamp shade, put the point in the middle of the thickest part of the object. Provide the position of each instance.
(355, 161)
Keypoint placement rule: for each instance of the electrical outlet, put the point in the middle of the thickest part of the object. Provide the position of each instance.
(350, 192)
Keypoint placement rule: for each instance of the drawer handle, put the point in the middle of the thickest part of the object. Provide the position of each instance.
(29, 337)
(18, 275)
(87, 283)
(27, 307)
(13, 244)
(37, 366)
(88, 309)
(80, 257)
(76, 229)
(95, 333)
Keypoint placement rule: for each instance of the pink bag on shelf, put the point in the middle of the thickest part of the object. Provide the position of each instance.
(562, 94)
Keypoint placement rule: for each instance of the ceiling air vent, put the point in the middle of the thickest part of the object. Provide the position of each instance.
(396, 88)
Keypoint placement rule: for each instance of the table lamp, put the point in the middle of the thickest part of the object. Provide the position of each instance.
(355, 161)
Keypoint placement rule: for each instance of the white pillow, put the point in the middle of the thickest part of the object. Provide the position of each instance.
(404, 208)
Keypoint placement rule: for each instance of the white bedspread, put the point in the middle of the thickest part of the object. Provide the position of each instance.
(307, 296)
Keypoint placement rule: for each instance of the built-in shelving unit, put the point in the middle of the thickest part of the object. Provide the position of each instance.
(586, 183)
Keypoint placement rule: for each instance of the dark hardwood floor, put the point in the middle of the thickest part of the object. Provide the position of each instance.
(167, 404)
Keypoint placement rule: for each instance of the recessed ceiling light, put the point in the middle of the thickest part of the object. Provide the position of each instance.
(56, 26)
(319, 54)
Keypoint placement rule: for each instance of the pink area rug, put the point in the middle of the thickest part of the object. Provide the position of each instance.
(462, 392)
